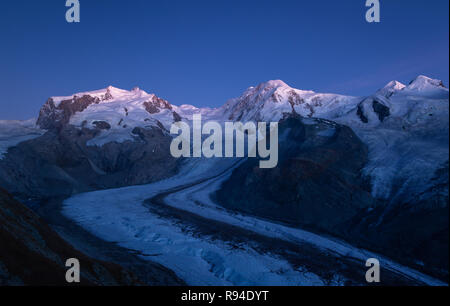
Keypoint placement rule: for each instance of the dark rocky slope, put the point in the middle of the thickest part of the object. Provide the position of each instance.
(317, 181)
(60, 163)
(415, 233)
(318, 185)
(33, 254)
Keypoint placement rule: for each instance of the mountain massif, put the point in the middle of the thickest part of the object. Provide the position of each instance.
(370, 170)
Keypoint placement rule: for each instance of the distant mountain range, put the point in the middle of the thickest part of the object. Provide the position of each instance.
(268, 101)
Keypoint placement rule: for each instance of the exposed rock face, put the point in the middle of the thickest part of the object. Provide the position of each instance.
(295, 99)
(417, 237)
(102, 125)
(381, 110)
(156, 104)
(311, 157)
(33, 254)
(361, 115)
(414, 233)
(52, 116)
(373, 109)
(176, 117)
(60, 163)
(318, 185)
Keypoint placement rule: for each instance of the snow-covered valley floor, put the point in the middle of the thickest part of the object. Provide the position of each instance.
(139, 218)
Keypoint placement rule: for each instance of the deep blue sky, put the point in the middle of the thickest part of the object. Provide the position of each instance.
(205, 52)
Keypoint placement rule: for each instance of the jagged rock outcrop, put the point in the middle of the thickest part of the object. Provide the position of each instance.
(54, 115)
(155, 105)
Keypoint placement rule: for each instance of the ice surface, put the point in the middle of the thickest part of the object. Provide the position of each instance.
(119, 215)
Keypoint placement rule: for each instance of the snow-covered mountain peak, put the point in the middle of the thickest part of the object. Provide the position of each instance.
(110, 108)
(424, 83)
(278, 86)
(104, 94)
(117, 109)
(391, 88)
(113, 89)
(395, 85)
(273, 99)
(107, 94)
(273, 84)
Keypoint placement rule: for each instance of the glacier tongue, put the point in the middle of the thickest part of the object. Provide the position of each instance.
(120, 216)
